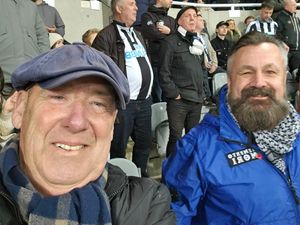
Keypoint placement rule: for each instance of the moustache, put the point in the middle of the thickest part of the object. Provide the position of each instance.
(254, 91)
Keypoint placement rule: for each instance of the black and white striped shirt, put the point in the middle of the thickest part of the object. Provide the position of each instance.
(268, 27)
(138, 67)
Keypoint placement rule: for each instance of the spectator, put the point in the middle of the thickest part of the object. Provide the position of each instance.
(6, 107)
(247, 21)
(56, 171)
(181, 76)
(278, 6)
(289, 32)
(51, 17)
(156, 26)
(249, 147)
(233, 33)
(221, 45)
(142, 6)
(126, 47)
(56, 40)
(24, 38)
(89, 36)
(264, 22)
(210, 65)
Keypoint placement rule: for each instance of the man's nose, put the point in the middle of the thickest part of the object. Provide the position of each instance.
(258, 80)
(76, 119)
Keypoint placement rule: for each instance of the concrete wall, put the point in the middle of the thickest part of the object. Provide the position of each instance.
(78, 19)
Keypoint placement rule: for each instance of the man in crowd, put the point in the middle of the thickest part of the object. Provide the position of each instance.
(289, 32)
(56, 171)
(210, 65)
(221, 44)
(23, 36)
(264, 22)
(126, 47)
(51, 17)
(156, 26)
(241, 164)
(181, 76)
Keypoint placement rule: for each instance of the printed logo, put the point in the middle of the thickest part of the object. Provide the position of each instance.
(242, 156)
(149, 23)
(139, 51)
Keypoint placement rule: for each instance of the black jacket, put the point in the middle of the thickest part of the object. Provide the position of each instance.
(109, 41)
(150, 32)
(133, 200)
(222, 48)
(180, 71)
(288, 29)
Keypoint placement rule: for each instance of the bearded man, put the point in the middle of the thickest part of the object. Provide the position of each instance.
(241, 164)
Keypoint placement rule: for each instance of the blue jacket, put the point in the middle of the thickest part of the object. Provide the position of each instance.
(218, 177)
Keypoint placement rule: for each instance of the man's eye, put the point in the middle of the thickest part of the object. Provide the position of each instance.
(57, 97)
(271, 72)
(100, 107)
(245, 73)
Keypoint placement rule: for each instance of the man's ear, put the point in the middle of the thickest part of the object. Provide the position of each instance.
(119, 8)
(113, 125)
(19, 110)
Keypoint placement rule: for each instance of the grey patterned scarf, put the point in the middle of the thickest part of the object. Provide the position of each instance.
(279, 141)
(88, 205)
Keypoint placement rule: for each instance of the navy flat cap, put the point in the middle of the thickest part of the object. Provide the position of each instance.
(61, 65)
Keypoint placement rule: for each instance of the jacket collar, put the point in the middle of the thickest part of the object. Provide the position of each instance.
(116, 181)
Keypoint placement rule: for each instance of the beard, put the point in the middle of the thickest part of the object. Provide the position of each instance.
(255, 114)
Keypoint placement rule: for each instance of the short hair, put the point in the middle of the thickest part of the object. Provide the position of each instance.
(87, 34)
(267, 4)
(1, 80)
(256, 38)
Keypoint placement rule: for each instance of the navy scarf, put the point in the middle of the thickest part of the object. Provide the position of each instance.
(86, 205)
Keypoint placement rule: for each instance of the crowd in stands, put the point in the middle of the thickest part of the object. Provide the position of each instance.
(145, 57)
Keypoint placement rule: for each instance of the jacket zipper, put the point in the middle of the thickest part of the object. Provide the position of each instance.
(286, 178)
(13, 203)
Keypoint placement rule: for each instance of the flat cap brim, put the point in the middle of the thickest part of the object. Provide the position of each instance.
(59, 66)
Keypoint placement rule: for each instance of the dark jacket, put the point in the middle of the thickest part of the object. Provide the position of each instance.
(108, 40)
(288, 29)
(180, 71)
(133, 200)
(152, 34)
(222, 48)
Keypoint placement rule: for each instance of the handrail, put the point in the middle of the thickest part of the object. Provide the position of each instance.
(232, 5)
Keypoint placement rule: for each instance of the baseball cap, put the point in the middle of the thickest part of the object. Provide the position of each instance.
(221, 23)
(61, 65)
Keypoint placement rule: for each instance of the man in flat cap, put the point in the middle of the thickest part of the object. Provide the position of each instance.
(56, 171)
(181, 75)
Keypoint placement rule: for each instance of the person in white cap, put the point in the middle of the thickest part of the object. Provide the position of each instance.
(56, 40)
